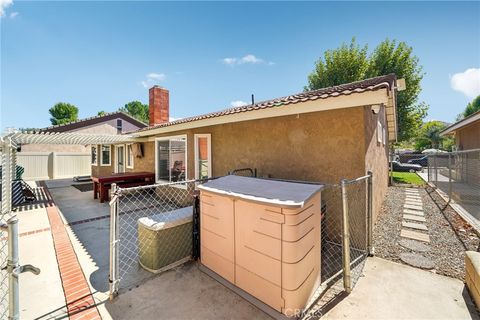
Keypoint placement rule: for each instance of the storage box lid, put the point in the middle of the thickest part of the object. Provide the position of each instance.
(273, 192)
(168, 219)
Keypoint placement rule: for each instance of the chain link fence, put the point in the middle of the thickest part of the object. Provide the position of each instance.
(3, 247)
(457, 175)
(346, 242)
(152, 231)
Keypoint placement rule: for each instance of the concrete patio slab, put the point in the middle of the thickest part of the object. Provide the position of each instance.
(41, 296)
(182, 293)
(394, 291)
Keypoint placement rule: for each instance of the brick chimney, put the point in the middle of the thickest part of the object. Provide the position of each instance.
(159, 105)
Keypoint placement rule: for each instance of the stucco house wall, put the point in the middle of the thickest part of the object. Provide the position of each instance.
(323, 146)
(468, 137)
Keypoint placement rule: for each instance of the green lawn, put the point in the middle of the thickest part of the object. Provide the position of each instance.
(408, 177)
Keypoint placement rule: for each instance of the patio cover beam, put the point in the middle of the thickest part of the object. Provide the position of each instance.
(68, 138)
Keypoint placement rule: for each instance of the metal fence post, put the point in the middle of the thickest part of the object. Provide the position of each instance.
(12, 268)
(436, 169)
(113, 272)
(449, 177)
(346, 240)
(370, 248)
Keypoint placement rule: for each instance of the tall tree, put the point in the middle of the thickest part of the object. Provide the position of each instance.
(345, 64)
(472, 107)
(390, 57)
(137, 110)
(352, 63)
(429, 136)
(62, 113)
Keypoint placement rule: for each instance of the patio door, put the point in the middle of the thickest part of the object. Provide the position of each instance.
(120, 159)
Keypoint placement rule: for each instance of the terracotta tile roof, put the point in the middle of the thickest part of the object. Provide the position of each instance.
(93, 120)
(371, 84)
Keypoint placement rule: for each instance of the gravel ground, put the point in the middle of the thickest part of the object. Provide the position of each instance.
(450, 235)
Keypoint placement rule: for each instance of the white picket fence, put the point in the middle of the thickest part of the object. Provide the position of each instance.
(54, 165)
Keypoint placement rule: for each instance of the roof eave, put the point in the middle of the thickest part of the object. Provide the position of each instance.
(379, 96)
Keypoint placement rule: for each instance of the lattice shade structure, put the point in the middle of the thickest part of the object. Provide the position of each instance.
(68, 138)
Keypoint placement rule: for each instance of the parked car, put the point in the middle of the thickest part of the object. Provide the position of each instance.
(405, 167)
(423, 161)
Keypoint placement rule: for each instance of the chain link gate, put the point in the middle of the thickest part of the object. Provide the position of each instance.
(147, 220)
(346, 241)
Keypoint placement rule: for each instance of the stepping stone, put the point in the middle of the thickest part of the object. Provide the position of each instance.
(415, 212)
(413, 225)
(414, 245)
(413, 198)
(414, 218)
(415, 235)
(413, 207)
(416, 260)
(414, 202)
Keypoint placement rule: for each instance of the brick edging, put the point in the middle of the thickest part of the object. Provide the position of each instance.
(78, 297)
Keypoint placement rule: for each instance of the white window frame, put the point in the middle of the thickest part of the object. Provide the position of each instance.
(116, 157)
(127, 156)
(186, 157)
(209, 153)
(109, 158)
(94, 146)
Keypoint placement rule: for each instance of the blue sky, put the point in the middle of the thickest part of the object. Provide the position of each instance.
(101, 55)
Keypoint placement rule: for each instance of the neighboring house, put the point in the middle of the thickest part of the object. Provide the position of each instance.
(50, 161)
(466, 132)
(323, 135)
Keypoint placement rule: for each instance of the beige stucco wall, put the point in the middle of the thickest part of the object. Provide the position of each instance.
(468, 137)
(376, 156)
(322, 146)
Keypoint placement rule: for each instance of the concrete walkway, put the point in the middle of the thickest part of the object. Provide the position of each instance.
(394, 291)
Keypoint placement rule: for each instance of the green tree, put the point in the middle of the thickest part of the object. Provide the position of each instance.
(345, 64)
(62, 113)
(352, 63)
(429, 136)
(101, 113)
(137, 110)
(472, 107)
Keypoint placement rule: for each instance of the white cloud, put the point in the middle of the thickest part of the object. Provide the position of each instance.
(3, 5)
(153, 78)
(13, 15)
(248, 59)
(467, 82)
(229, 61)
(156, 76)
(238, 103)
(173, 119)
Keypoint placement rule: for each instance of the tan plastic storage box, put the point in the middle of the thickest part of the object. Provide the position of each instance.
(264, 237)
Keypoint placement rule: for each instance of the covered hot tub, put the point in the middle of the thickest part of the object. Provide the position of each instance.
(165, 239)
(264, 237)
